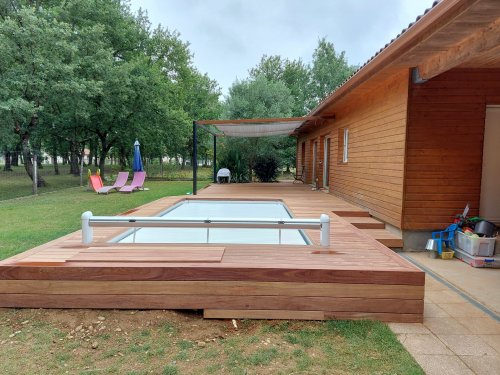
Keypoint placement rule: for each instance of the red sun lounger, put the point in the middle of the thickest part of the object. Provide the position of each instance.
(95, 182)
(121, 181)
(136, 184)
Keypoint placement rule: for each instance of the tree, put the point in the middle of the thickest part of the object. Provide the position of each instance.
(34, 64)
(329, 70)
(293, 73)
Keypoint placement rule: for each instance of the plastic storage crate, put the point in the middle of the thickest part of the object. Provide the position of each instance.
(481, 262)
(476, 246)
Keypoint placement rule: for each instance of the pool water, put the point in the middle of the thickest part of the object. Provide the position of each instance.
(204, 209)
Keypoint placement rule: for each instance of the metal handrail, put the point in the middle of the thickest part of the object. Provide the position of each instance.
(89, 221)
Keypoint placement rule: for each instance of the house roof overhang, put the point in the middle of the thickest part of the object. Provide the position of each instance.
(452, 34)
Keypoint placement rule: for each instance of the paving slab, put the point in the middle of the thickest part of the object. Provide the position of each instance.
(398, 328)
(462, 310)
(485, 365)
(445, 326)
(418, 343)
(442, 364)
(467, 345)
(481, 325)
(432, 310)
(493, 341)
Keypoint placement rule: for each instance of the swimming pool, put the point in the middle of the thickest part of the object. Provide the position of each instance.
(213, 209)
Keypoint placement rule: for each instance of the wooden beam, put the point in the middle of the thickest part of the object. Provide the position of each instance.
(481, 41)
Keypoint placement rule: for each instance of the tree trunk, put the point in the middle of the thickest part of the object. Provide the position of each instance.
(73, 159)
(7, 166)
(122, 158)
(95, 155)
(28, 163)
(14, 158)
(39, 160)
(105, 147)
(54, 157)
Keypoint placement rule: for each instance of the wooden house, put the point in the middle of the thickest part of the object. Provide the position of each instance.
(414, 134)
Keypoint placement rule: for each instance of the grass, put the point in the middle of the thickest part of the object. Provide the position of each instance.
(17, 184)
(167, 342)
(47, 343)
(33, 220)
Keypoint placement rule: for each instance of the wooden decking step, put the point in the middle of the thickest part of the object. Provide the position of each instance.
(385, 237)
(353, 213)
(363, 222)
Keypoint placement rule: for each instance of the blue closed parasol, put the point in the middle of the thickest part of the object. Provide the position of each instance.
(137, 164)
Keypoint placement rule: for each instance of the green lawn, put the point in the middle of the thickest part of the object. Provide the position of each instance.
(167, 342)
(17, 184)
(33, 220)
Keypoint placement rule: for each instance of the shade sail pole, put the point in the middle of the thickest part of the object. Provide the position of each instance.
(195, 158)
(215, 159)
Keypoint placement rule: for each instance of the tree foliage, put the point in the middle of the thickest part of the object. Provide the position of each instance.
(78, 74)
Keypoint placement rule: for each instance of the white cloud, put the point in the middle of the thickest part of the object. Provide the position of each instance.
(228, 37)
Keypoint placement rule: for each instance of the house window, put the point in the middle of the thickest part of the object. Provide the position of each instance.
(345, 152)
(343, 149)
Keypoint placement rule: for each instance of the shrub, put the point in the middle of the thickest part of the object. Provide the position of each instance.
(237, 164)
(266, 167)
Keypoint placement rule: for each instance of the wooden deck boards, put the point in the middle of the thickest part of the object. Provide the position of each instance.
(357, 277)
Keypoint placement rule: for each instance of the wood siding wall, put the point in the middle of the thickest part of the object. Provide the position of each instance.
(445, 145)
(373, 176)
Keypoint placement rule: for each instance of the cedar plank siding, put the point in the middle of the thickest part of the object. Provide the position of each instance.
(373, 176)
(445, 145)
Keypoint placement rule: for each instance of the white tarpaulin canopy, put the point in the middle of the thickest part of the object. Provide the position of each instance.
(256, 127)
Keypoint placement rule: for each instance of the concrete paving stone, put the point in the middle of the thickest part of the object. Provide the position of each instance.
(408, 328)
(433, 284)
(467, 345)
(493, 341)
(462, 310)
(481, 326)
(442, 365)
(485, 365)
(444, 296)
(418, 343)
(431, 310)
(446, 325)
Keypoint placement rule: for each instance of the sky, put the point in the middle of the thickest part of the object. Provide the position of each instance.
(229, 37)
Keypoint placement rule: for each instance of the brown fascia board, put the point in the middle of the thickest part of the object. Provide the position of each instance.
(436, 18)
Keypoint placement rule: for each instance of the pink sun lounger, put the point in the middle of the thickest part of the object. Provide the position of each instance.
(121, 181)
(136, 184)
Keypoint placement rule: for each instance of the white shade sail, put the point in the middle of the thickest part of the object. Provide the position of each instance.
(256, 127)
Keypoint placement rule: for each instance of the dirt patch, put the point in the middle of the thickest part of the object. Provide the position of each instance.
(182, 342)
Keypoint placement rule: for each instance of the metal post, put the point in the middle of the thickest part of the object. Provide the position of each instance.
(35, 174)
(87, 231)
(195, 158)
(215, 159)
(325, 230)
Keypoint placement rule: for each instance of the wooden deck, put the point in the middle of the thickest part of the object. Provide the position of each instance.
(357, 277)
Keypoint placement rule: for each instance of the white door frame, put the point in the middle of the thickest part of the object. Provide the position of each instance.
(326, 162)
(315, 159)
(489, 206)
